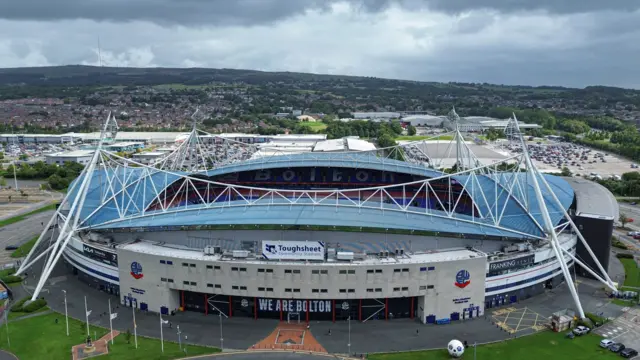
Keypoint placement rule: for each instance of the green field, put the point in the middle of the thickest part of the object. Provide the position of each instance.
(15, 219)
(632, 273)
(422, 137)
(546, 345)
(315, 126)
(40, 338)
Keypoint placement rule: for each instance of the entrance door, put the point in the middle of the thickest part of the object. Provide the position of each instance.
(293, 317)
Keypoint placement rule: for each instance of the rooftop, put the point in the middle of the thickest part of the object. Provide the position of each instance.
(593, 199)
(75, 153)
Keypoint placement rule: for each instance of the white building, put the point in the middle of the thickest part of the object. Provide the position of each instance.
(79, 156)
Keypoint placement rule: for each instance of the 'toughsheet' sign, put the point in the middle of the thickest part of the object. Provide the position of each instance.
(293, 250)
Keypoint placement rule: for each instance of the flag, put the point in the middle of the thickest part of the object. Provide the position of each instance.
(113, 316)
(165, 321)
(89, 312)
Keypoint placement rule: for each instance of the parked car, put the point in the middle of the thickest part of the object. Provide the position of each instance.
(633, 233)
(628, 353)
(570, 335)
(11, 247)
(617, 347)
(581, 330)
(605, 343)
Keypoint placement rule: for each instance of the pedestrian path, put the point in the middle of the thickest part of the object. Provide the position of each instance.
(98, 347)
(287, 336)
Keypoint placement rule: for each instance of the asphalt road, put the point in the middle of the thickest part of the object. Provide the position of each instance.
(268, 356)
(21, 232)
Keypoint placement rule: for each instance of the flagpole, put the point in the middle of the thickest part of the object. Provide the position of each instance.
(86, 312)
(161, 336)
(110, 321)
(135, 326)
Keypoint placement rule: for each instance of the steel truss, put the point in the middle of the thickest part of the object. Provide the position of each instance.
(131, 190)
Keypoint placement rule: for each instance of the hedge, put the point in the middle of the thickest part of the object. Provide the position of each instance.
(624, 256)
(35, 306)
(11, 279)
(17, 307)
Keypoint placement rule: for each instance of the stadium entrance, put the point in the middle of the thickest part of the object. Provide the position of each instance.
(299, 310)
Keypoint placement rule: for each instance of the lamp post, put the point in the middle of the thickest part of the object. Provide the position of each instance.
(221, 337)
(179, 337)
(349, 343)
(66, 314)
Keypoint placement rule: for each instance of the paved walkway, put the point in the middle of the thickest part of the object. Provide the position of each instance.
(99, 347)
(290, 337)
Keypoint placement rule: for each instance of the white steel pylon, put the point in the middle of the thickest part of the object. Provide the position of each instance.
(552, 231)
(72, 217)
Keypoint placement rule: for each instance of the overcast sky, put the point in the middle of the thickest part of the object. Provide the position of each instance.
(529, 42)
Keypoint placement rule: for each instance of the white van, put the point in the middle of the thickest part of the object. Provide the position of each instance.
(605, 343)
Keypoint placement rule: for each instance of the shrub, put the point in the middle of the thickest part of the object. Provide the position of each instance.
(11, 279)
(597, 320)
(17, 307)
(624, 256)
(34, 306)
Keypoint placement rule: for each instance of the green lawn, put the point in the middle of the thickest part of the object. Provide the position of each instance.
(632, 273)
(13, 314)
(24, 249)
(15, 219)
(546, 345)
(40, 338)
(423, 137)
(315, 126)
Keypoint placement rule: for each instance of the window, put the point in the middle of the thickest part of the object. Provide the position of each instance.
(405, 288)
(260, 270)
(296, 290)
(260, 289)
(315, 272)
(210, 285)
(343, 290)
(423, 268)
(192, 265)
(369, 290)
(323, 291)
(287, 290)
(324, 272)
(287, 271)
(378, 271)
(396, 270)
(216, 267)
(351, 272)
(162, 262)
(370, 271)
(422, 287)
(296, 271)
(169, 262)
(234, 287)
(243, 288)
(193, 283)
(270, 270)
(378, 289)
(209, 267)
(351, 290)
(431, 268)
(170, 280)
(315, 290)
(185, 283)
(243, 269)
(218, 286)
(405, 270)
(396, 289)
(269, 289)
(342, 272)
(163, 279)
(185, 264)
(234, 269)
(430, 286)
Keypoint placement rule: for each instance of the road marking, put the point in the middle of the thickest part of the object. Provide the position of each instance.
(617, 336)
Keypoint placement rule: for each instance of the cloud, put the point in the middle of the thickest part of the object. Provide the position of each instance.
(480, 41)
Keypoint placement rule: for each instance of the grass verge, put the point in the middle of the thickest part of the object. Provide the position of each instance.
(423, 137)
(15, 219)
(24, 249)
(41, 337)
(632, 273)
(546, 345)
(315, 126)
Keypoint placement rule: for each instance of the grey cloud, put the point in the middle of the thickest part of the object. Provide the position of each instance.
(249, 12)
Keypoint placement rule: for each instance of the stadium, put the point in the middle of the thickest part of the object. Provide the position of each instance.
(215, 228)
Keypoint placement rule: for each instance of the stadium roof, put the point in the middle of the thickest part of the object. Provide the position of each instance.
(506, 202)
(594, 200)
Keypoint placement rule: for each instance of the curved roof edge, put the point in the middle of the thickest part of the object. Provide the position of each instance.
(593, 199)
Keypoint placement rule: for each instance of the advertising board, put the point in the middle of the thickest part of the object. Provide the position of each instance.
(293, 250)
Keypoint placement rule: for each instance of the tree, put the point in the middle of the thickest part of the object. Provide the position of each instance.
(565, 171)
(127, 336)
(624, 219)
(3, 182)
(411, 130)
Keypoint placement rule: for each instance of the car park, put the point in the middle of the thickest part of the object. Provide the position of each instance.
(617, 347)
(628, 353)
(581, 330)
(605, 343)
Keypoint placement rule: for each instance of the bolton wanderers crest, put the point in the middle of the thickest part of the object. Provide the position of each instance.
(463, 278)
(136, 270)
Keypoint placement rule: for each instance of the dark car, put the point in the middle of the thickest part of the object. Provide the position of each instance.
(628, 353)
(11, 247)
(617, 347)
